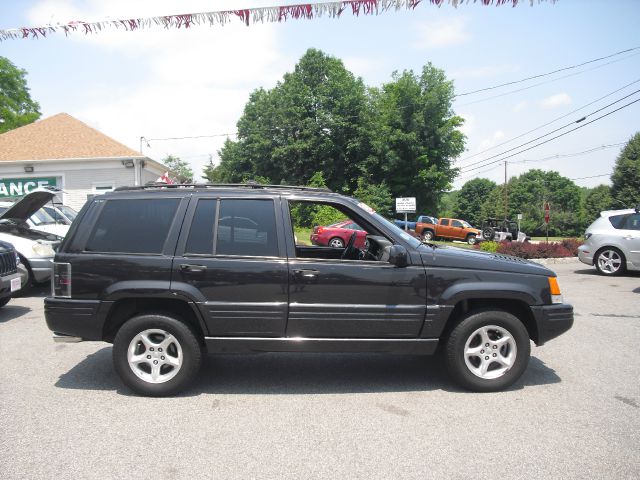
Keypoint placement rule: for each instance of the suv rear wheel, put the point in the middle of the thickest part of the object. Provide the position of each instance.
(488, 351)
(156, 355)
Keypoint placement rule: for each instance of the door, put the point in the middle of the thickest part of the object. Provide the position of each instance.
(631, 238)
(457, 230)
(330, 297)
(230, 260)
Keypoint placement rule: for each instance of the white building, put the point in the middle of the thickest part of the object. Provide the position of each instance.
(64, 152)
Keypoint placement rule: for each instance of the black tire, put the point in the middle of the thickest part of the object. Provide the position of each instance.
(471, 239)
(185, 338)
(336, 242)
(605, 259)
(467, 330)
(488, 233)
(427, 236)
(4, 301)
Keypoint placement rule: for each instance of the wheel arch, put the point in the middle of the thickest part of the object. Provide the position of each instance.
(517, 307)
(126, 308)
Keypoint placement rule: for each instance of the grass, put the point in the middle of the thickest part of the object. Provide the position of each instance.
(303, 235)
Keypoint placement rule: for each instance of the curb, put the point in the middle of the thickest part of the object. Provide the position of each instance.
(551, 261)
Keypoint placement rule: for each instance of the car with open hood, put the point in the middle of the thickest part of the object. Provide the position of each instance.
(35, 248)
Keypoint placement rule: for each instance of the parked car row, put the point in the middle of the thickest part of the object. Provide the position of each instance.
(35, 229)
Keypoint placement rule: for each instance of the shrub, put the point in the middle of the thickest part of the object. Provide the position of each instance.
(534, 250)
(491, 247)
(572, 245)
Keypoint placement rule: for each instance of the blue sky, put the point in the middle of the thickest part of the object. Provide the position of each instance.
(171, 83)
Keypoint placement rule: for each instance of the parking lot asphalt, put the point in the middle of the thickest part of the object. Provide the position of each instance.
(574, 414)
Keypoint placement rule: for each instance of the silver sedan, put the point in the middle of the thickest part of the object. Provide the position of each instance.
(612, 242)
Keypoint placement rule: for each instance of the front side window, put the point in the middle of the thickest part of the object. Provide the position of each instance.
(633, 222)
(456, 223)
(248, 228)
(133, 226)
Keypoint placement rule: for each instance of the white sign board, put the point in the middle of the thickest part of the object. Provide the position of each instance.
(519, 216)
(406, 205)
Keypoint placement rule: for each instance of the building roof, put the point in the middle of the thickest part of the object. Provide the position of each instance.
(59, 137)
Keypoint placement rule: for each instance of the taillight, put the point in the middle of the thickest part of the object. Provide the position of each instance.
(61, 280)
(320, 230)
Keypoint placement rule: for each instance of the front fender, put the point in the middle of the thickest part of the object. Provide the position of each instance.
(502, 290)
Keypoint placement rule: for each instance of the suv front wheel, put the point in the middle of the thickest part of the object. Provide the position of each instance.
(488, 351)
(156, 355)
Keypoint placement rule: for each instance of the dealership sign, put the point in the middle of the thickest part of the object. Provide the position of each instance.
(17, 187)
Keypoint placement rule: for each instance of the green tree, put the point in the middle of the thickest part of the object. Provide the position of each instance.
(16, 106)
(376, 195)
(470, 198)
(447, 205)
(180, 169)
(310, 121)
(596, 200)
(416, 136)
(625, 180)
(527, 194)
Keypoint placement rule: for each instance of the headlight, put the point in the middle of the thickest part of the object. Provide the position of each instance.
(43, 250)
(17, 259)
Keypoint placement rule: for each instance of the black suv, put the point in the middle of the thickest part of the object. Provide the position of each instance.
(168, 273)
(9, 276)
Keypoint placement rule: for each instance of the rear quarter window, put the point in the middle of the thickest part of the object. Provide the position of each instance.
(133, 226)
(618, 220)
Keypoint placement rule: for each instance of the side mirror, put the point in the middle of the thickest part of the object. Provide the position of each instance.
(398, 256)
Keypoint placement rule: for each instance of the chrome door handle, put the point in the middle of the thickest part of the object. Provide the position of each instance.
(187, 268)
(306, 273)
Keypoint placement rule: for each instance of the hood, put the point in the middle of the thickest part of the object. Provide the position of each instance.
(19, 229)
(29, 204)
(451, 257)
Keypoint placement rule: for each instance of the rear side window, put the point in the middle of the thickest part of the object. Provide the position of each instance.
(445, 222)
(617, 220)
(200, 239)
(247, 227)
(133, 226)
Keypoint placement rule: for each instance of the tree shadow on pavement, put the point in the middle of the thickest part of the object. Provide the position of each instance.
(594, 272)
(300, 374)
(11, 312)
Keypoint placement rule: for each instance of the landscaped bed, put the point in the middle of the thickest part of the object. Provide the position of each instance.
(565, 248)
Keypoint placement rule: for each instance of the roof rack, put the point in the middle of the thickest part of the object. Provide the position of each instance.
(251, 185)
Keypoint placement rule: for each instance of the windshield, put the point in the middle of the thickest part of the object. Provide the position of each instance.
(465, 224)
(69, 212)
(42, 218)
(414, 242)
(56, 215)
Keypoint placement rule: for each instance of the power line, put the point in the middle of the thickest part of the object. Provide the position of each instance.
(545, 82)
(592, 176)
(558, 136)
(548, 73)
(548, 133)
(550, 157)
(550, 122)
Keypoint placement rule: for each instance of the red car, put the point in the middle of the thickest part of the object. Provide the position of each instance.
(338, 234)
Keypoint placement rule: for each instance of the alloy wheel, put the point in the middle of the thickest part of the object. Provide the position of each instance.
(490, 352)
(155, 356)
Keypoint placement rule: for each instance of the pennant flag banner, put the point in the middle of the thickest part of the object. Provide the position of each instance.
(248, 16)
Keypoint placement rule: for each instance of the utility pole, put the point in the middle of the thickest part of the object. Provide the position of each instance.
(506, 193)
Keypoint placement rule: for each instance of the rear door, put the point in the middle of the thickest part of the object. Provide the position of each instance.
(230, 259)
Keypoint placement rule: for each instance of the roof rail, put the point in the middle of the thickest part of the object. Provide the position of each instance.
(252, 185)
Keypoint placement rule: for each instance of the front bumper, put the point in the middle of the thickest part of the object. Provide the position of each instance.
(41, 268)
(552, 321)
(5, 284)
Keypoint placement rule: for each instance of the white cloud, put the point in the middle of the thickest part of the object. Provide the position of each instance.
(520, 106)
(491, 141)
(442, 33)
(557, 100)
(197, 80)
